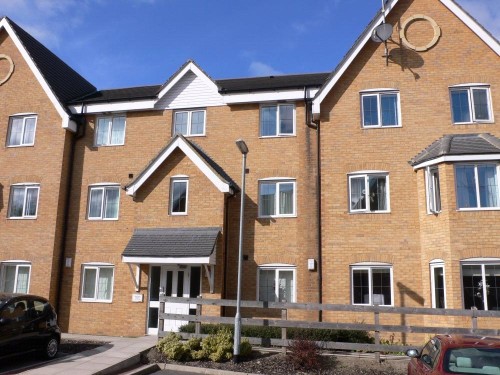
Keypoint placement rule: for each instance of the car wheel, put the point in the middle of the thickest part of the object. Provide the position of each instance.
(51, 348)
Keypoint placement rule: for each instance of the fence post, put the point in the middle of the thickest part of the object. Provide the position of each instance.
(197, 324)
(474, 318)
(161, 323)
(283, 330)
(377, 332)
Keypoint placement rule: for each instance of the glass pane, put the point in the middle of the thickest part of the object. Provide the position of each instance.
(268, 121)
(16, 131)
(267, 198)
(370, 110)
(286, 119)
(436, 190)
(285, 286)
(89, 279)
(180, 283)
(105, 283)
(112, 203)
(23, 277)
(389, 104)
(102, 131)
(197, 122)
(154, 283)
(168, 289)
(17, 202)
(95, 207)
(153, 317)
(267, 285)
(480, 100)
(381, 286)
(194, 287)
(488, 185)
(466, 186)
(438, 273)
(286, 198)
(9, 278)
(31, 201)
(180, 122)
(118, 131)
(358, 199)
(460, 106)
(377, 193)
(492, 273)
(29, 131)
(179, 189)
(472, 281)
(360, 287)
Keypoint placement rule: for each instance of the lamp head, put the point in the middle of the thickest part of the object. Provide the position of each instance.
(242, 146)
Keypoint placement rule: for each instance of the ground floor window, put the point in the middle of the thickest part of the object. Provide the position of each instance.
(481, 284)
(15, 277)
(438, 289)
(97, 282)
(276, 283)
(371, 284)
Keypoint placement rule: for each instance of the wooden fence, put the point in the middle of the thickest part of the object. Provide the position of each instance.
(284, 323)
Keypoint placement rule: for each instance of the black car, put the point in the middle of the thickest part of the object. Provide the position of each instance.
(28, 323)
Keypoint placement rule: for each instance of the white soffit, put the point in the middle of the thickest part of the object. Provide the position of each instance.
(179, 260)
(113, 107)
(66, 123)
(259, 97)
(458, 159)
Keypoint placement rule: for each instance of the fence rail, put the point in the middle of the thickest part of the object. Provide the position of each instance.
(285, 323)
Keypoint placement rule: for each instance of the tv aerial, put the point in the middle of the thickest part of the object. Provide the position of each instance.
(382, 33)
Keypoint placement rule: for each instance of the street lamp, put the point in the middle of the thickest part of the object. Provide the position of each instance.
(240, 143)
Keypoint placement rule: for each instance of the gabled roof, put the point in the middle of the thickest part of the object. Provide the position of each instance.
(456, 147)
(214, 172)
(122, 94)
(365, 36)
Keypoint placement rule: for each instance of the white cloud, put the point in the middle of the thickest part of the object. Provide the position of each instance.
(258, 68)
(486, 12)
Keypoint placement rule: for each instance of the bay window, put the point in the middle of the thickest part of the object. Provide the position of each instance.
(477, 186)
(481, 284)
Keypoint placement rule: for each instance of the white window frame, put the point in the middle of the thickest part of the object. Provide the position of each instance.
(26, 187)
(110, 122)
(367, 175)
(178, 180)
(17, 264)
(378, 93)
(437, 263)
(370, 267)
(433, 190)
(483, 262)
(189, 122)
(25, 117)
(103, 187)
(278, 133)
(277, 268)
(476, 181)
(277, 181)
(97, 267)
(470, 87)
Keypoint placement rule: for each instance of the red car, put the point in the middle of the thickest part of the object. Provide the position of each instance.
(456, 354)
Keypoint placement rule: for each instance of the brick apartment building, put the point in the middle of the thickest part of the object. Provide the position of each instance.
(385, 173)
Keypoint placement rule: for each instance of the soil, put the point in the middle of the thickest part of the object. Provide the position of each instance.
(279, 364)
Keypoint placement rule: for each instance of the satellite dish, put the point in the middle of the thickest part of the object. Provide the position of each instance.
(382, 32)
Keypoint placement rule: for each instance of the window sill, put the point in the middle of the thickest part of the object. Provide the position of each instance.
(23, 218)
(113, 145)
(17, 146)
(95, 301)
(99, 219)
(368, 212)
(178, 214)
(381, 127)
(191, 135)
(478, 209)
(474, 123)
(277, 217)
(277, 136)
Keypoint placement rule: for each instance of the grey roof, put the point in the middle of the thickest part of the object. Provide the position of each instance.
(459, 144)
(172, 242)
(123, 94)
(66, 84)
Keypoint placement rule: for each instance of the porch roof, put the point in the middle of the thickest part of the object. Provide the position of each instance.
(172, 245)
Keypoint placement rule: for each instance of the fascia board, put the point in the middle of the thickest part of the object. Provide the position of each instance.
(188, 151)
(179, 260)
(66, 123)
(113, 107)
(457, 158)
(265, 96)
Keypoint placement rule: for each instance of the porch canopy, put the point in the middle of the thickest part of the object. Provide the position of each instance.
(172, 246)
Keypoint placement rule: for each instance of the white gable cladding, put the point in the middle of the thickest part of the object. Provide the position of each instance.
(190, 92)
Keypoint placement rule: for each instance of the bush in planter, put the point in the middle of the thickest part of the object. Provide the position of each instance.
(172, 347)
(304, 355)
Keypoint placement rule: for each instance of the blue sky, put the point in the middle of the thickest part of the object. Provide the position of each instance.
(122, 43)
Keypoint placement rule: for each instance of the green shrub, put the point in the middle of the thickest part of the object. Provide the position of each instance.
(245, 348)
(193, 344)
(172, 348)
(218, 347)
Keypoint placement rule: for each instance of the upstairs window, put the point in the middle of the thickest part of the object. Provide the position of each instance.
(369, 192)
(470, 104)
(21, 130)
(380, 109)
(179, 196)
(104, 202)
(277, 198)
(23, 201)
(277, 120)
(189, 123)
(110, 131)
(477, 186)
(433, 190)
(15, 277)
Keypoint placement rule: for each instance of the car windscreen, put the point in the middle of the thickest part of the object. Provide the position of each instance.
(472, 361)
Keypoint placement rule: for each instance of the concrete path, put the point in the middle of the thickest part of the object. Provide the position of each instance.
(118, 354)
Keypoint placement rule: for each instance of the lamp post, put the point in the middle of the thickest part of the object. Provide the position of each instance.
(240, 143)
